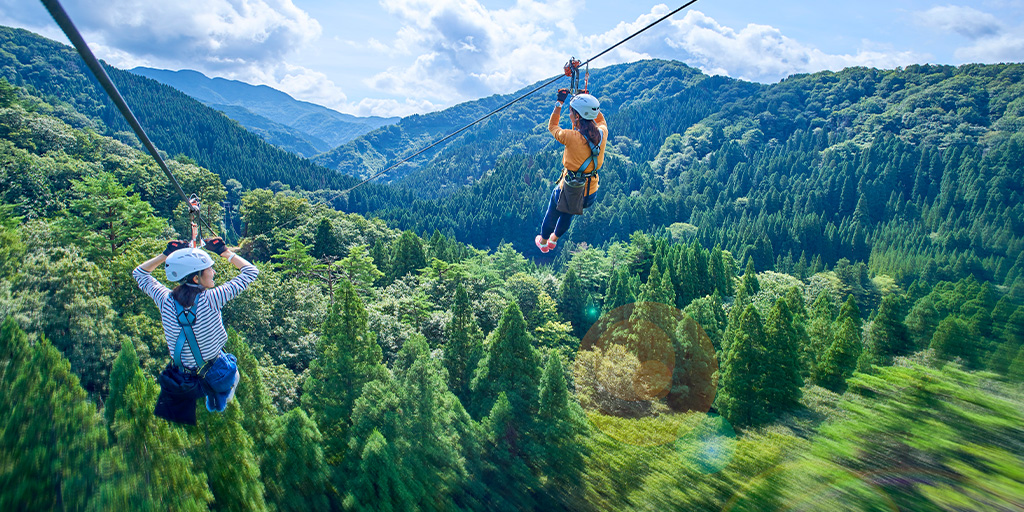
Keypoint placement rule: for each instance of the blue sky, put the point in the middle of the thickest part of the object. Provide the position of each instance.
(398, 57)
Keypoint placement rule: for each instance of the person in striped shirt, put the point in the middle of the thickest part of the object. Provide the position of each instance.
(193, 270)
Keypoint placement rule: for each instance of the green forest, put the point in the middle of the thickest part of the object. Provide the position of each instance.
(805, 296)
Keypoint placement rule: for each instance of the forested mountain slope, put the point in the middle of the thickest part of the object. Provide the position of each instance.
(383, 368)
(324, 129)
(897, 167)
(177, 123)
(789, 333)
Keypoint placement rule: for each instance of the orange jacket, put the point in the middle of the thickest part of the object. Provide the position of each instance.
(577, 150)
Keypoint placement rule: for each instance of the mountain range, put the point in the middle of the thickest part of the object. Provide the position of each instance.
(297, 126)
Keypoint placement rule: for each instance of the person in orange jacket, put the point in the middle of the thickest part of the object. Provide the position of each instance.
(583, 156)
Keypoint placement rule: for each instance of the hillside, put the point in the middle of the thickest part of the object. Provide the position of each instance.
(923, 162)
(176, 123)
(384, 369)
(324, 129)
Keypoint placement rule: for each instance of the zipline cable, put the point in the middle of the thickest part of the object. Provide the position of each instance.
(506, 105)
(62, 19)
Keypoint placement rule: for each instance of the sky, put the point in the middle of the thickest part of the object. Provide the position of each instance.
(402, 57)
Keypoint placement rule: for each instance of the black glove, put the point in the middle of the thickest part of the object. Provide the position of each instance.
(563, 94)
(174, 245)
(216, 245)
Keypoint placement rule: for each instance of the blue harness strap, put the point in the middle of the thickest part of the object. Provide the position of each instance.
(186, 319)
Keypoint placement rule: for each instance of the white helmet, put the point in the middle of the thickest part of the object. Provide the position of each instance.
(586, 106)
(183, 262)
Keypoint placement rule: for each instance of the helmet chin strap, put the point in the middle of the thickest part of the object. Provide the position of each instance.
(193, 285)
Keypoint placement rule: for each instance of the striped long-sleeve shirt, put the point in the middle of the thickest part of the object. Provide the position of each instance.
(209, 327)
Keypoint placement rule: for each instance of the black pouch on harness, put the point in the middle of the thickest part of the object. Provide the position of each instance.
(575, 188)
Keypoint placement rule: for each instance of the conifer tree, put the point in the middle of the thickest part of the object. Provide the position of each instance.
(252, 396)
(225, 454)
(782, 380)
(839, 361)
(407, 256)
(658, 288)
(751, 285)
(51, 436)
(13, 351)
(952, 339)
(559, 429)
(295, 261)
(126, 366)
(347, 358)
(297, 477)
(464, 347)
(795, 300)
(889, 335)
(507, 477)
(572, 302)
(324, 241)
(619, 290)
(379, 486)
(511, 366)
(1016, 369)
(850, 310)
(1013, 336)
(433, 456)
(146, 469)
(740, 398)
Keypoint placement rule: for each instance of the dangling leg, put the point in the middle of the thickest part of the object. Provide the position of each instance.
(548, 225)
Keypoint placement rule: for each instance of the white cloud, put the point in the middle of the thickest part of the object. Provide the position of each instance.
(756, 52)
(990, 42)
(1001, 48)
(966, 21)
(462, 50)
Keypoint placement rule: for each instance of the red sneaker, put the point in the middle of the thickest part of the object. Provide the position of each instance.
(543, 247)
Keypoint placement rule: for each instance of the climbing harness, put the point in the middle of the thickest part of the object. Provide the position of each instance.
(186, 319)
(65, 23)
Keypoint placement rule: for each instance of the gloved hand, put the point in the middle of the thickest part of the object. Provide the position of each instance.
(216, 245)
(174, 245)
(563, 94)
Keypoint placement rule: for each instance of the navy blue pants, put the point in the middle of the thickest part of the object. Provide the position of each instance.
(557, 222)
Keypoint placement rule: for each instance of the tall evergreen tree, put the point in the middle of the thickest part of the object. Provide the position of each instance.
(258, 411)
(407, 255)
(952, 339)
(126, 366)
(432, 455)
(225, 454)
(324, 241)
(51, 436)
(850, 310)
(464, 348)
(559, 436)
(509, 482)
(147, 468)
(572, 302)
(619, 291)
(347, 358)
(782, 380)
(839, 361)
(888, 334)
(297, 477)
(740, 398)
(379, 485)
(510, 366)
(658, 288)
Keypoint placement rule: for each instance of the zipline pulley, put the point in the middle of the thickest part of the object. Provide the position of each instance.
(194, 210)
(572, 70)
